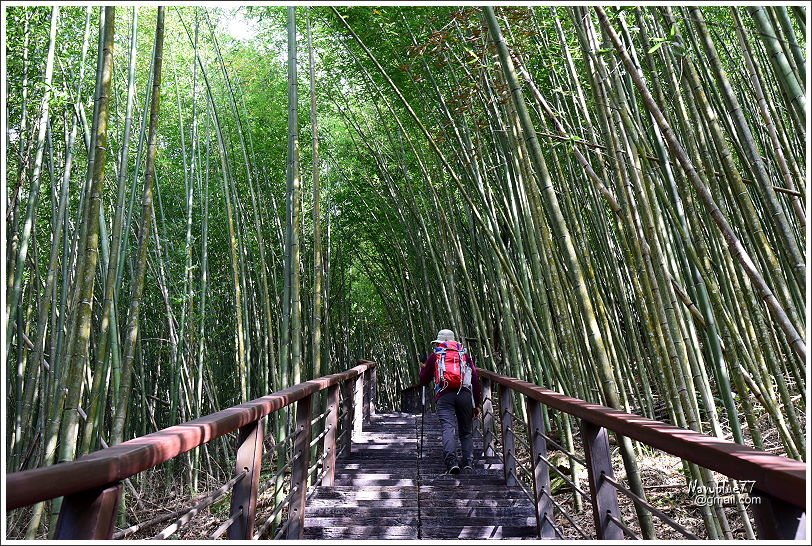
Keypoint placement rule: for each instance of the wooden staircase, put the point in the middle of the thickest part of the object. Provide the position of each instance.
(393, 486)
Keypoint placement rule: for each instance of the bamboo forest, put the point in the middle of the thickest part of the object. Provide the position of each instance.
(218, 218)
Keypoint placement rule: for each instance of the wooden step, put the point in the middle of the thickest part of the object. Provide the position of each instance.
(367, 482)
(360, 532)
(352, 504)
(397, 520)
(345, 492)
(431, 492)
(442, 519)
(393, 485)
(484, 532)
(451, 510)
(446, 503)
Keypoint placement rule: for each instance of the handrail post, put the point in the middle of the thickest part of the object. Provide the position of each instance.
(373, 391)
(244, 494)
(541, 473)
(367, 395)
(603, 495)
(776, 519)
(298, 477)
(488, 446)
(358, 410)
(89, 515)
(508, 440)
(330, 438)
(348, 417)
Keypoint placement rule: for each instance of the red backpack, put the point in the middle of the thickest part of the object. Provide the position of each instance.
(452, 369)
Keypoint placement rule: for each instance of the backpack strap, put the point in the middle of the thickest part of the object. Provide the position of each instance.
(440, 382)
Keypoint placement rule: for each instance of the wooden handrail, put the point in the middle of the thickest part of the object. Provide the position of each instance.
(111, 465)
(778, 476)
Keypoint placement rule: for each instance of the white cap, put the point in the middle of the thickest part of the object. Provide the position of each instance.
(444, 335)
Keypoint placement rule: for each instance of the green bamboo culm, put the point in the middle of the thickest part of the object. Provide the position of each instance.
(562, 237)
(793, 337)
(136, 295)
(783, 71)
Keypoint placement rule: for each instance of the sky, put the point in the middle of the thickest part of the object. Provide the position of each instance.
(238, 26)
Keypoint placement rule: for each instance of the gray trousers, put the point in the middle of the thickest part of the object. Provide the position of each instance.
(456, 413)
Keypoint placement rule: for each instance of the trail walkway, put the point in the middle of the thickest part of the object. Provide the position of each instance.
(392, 486)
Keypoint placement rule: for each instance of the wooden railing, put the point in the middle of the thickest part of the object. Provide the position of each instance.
(92, 485)
(777, 497)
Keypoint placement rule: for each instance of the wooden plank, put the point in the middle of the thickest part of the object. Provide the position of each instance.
(488, 440)
(373, 392)
(349, 505)
(244, 493)
(356, 532)
(429, 522)
(358, 409)
(428, 493)
(364, 482)
(603, 495)
(411, 520)
(386, 510)
(378, 520)
(380, 492)
(348, 417)
(365, 453)
(444, 503)
(777, 520)
(541, 472)
(493, 492)
(298, 477)
(506, 504)
(508, 443)
(371, 466)
(89, 515)
(335, 510)
(477, 532)
(377, 473)
(330, 447)
(404, 470)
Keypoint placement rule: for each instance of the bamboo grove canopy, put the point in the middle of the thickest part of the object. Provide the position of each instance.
(204, 205)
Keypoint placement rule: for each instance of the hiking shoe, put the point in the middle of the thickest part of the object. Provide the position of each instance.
(455, 469)
(467, 469)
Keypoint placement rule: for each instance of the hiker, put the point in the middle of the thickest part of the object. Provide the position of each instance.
(458, 396)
